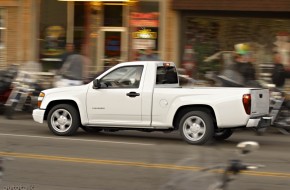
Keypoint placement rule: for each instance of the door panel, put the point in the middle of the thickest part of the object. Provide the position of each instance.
(118, 101)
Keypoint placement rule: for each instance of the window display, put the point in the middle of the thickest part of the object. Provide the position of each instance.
(204, 36)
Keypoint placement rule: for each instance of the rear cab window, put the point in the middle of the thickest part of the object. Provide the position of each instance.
(166, 74)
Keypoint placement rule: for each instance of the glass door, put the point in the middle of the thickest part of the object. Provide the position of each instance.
(113, 46)
(113, 35)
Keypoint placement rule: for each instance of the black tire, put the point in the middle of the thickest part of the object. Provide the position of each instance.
(202, 129)
(10, 111)
(222, 134)
(2, 109)
(63, 120)
(91, 129)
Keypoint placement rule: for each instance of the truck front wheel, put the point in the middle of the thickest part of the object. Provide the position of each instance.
(222, 134)
(63, 120)
(196, 127)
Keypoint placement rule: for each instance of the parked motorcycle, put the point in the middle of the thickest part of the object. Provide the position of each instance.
(280, 111)
(7, 76)
(24, 94)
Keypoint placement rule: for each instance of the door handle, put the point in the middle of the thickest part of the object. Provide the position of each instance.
(133, 94)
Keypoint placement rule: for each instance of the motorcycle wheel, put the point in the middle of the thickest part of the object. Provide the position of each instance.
(284, 131)
(282, 121)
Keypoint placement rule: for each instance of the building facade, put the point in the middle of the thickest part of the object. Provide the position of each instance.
(211, 26)
(38, 30)
(17, 32)
(184, 31)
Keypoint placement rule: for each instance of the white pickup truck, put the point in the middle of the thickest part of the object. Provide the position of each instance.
(147, 96)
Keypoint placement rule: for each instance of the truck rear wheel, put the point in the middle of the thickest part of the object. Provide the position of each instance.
(63, 120)
(196, 127)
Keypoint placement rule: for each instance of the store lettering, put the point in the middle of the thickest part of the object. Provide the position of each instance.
(136, 15)
(144, 19)
(144, 23)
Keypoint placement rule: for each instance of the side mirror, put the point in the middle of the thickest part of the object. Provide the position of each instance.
(248, 146)
(96, 84)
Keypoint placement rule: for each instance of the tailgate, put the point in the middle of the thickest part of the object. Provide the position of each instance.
(260, 102)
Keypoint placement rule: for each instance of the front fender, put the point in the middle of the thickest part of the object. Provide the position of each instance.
(60, 98)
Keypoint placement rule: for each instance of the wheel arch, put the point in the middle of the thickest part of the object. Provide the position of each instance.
(186, 108)
(56, 102)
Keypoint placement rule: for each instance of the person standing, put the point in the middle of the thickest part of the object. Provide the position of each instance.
(242, 71)
(69, 50)
(75, 70)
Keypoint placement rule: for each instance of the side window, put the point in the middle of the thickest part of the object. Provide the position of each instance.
(123, 77)
(166, 75)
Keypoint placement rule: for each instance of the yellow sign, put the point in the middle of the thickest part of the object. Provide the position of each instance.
(145, 34)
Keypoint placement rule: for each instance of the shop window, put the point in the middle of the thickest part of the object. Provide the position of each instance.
(207, 37)
(113, 15)
(2, 37)
(53, 25)
(79, 24)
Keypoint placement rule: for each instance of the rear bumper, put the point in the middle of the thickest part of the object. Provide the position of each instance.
(38, 115)
(261, 122)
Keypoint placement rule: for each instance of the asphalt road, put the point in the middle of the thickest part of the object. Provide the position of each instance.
(131, 160)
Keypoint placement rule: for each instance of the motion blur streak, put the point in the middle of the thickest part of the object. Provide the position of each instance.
(126, 163)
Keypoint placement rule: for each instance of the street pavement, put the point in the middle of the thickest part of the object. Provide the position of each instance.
(131, 160)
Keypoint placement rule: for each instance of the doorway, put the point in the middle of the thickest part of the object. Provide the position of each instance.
(112, 45)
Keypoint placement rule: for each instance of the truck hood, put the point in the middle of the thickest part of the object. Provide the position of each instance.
(65, 89)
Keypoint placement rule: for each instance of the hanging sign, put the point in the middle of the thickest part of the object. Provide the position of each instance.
(144, 34)
(144, 19)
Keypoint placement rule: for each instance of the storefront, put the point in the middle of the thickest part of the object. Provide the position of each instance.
(208, 27)
(106, 30)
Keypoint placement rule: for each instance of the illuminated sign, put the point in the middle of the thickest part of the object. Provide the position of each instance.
(143, 44)
(145, 34)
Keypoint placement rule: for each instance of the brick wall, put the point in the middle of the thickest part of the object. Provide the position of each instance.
(11, 35)
(18, 35)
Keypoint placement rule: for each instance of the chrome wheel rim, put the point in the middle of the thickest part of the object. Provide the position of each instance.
(61, 120)
(194, 128)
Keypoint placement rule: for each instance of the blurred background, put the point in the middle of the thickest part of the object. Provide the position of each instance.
(198, 35)
(203, 37)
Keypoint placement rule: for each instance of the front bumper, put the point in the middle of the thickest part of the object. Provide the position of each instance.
(261, 122)
(38, 115)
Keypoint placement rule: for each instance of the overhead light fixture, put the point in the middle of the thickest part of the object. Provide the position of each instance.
(99, 0)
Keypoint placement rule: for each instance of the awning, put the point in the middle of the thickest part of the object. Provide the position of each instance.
(232, 5)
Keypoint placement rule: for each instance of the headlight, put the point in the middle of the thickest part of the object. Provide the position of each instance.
(39, 99)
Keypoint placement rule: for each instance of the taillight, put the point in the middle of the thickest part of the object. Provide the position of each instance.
(40, 98)
(247, 103)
